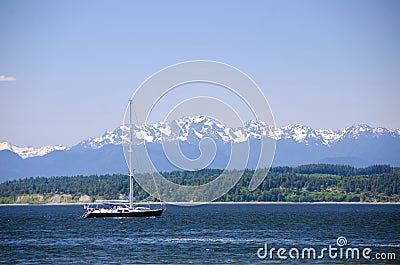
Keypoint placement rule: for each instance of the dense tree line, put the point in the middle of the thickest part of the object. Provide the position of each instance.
(308, 183)
(341, 170)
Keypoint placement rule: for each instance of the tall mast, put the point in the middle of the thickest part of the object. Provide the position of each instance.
(131, 170)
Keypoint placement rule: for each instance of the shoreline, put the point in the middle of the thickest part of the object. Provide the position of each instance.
(210, 203)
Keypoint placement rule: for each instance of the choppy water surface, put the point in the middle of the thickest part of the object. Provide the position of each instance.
(214, 234)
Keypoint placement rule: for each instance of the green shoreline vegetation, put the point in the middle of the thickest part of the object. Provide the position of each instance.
(307, 183)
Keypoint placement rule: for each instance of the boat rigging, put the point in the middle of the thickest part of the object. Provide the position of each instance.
(125, 208)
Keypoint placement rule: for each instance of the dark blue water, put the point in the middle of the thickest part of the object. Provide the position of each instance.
(214, 234)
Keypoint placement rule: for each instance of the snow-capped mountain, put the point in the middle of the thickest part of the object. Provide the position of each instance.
(109, 137)
(328, 137)
(193, 129)
(358, 145)
(26, 152)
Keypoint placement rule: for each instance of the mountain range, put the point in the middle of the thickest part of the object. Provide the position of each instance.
(358, 145)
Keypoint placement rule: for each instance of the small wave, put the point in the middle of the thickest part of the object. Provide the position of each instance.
(202, 239)
(380, 245)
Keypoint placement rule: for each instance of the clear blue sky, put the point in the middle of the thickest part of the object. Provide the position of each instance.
(326, 64)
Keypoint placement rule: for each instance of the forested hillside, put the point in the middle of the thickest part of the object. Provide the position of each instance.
(308, 183)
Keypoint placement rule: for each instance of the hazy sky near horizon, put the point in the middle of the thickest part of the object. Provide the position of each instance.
(325, 64)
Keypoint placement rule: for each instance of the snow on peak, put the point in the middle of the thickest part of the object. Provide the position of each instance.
(298, 132)
(355, 130)
(193, 129)
(109, 137)
(26, 152)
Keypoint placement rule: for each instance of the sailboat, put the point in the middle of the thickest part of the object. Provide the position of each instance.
(124, 208)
